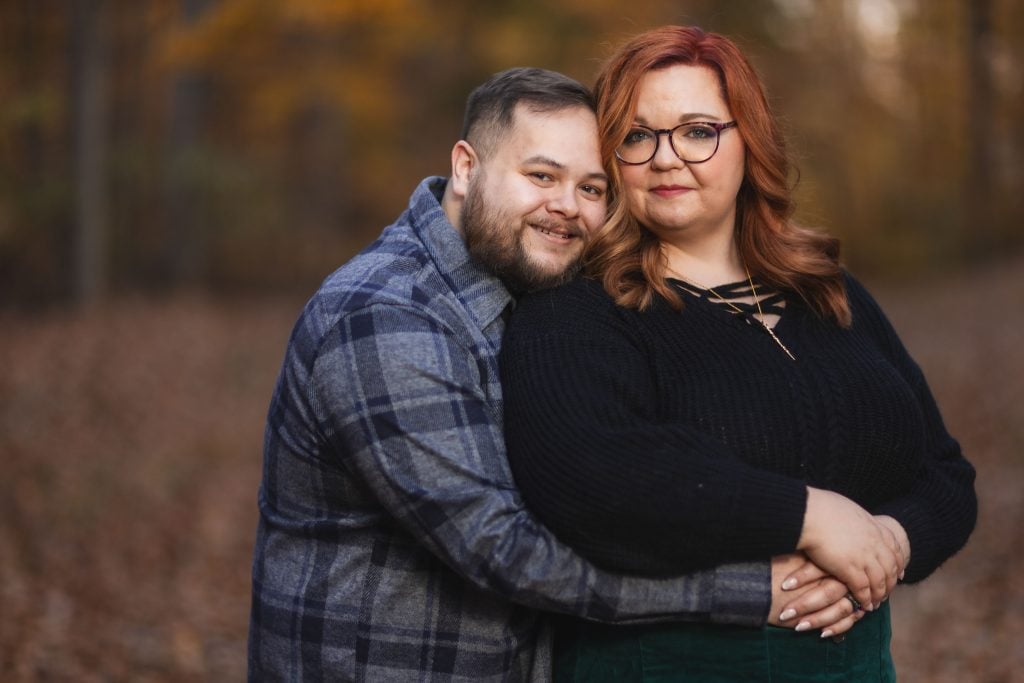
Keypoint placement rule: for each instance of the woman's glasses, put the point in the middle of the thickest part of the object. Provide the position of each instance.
(693, 142)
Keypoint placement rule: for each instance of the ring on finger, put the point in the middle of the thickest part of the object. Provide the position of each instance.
(853, 601)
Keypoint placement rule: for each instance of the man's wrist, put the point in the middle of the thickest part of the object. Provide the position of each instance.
(742, 594)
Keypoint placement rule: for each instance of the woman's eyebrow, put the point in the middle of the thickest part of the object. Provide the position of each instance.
(683, 118)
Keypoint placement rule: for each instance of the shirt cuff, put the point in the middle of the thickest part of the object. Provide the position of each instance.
(742, 594)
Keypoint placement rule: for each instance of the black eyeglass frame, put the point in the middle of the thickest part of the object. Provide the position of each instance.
(658, 132)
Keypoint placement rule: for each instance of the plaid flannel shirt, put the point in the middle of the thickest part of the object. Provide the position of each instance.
(392, 543)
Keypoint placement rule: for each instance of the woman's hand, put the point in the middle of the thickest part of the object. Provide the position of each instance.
(901, 537)
(804, 597)
(845, 541)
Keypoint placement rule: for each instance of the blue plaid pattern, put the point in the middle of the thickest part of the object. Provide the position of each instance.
(392, 543)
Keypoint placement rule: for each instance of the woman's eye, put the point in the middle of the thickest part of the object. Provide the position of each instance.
(637, 136)
(699, 131)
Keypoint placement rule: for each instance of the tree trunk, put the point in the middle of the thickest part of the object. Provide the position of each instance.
(89, 104)
(981, 219)
(185, 249)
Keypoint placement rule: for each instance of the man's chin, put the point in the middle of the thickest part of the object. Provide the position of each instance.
(533, 277)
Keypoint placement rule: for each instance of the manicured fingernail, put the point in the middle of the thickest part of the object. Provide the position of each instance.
(901, 575)
(789, 584)
(826, 633)
(870, 607)
(803, 626)
(788, 614)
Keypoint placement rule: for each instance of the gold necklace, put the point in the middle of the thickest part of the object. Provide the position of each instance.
(757, 302)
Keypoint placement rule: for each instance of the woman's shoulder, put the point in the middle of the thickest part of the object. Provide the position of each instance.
(869, 317)
(854, 287)
(576, 304)
(860, 299)
(581, 291)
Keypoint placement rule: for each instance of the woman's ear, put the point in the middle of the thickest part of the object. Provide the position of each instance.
(465, 163)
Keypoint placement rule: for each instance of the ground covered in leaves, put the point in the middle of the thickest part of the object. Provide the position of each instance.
(130, 452)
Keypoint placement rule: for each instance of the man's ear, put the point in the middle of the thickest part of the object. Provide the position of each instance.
(465, 164)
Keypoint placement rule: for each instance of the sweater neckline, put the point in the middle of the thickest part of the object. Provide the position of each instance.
(773, 302)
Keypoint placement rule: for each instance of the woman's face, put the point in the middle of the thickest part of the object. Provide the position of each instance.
(670, 197)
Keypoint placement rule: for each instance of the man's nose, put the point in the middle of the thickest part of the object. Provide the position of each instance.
(564, 201)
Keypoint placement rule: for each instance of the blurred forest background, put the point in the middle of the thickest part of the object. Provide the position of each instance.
(176, 176)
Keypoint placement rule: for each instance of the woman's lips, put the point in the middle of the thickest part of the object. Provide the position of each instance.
(669, 191)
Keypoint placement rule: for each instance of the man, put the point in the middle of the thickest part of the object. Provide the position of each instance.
(392, 543)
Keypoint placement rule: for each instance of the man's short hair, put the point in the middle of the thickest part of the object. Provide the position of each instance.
(490, 109)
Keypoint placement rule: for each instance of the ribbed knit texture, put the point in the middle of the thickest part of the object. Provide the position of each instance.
(661, 442)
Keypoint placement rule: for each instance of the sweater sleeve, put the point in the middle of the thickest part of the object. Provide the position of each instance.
(940, 510)
(590, 457)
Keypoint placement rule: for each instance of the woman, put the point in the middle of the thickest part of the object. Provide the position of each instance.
(719, 389)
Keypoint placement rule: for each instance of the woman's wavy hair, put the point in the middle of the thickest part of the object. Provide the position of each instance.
(627, 258)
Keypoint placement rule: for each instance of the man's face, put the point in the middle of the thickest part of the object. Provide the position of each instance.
(536, 197)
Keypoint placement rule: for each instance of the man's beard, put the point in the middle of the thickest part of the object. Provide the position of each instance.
(497, 242)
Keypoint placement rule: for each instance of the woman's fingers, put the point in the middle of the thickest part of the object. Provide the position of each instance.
(861, 589)
(805, 575)
(824, 608)
(843, 625)
(825, 593)
(890, 562)
(878, 581)
(902, 540)
(897, 551)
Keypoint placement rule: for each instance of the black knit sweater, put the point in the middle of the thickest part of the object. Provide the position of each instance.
(662, 442)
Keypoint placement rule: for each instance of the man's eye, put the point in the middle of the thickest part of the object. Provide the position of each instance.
(593, 190)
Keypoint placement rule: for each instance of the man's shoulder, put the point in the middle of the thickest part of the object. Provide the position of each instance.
(385, 271)
(395, 272)
(416, 273)
(400, 267)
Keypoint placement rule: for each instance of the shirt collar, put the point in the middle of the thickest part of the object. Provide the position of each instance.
(482, 293)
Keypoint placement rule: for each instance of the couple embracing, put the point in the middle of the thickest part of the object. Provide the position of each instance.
(594, 408)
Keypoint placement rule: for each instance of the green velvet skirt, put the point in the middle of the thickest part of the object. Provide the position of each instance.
(708, 653)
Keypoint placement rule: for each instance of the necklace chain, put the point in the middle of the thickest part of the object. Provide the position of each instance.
(757, 302)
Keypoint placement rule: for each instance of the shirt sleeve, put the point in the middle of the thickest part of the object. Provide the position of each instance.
(626, 488)
(940, 510)
(401, 402)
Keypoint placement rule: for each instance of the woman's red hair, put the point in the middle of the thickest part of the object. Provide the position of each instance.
(627, 258)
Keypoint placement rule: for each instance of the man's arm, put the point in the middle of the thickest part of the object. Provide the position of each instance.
(403, 404)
